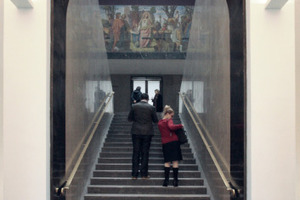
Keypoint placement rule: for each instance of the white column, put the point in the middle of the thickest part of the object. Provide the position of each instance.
(26, 107)
(271, 102)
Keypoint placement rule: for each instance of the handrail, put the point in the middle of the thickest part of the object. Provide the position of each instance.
(68, 165)
(66, 185)
(208, 135)
(234, 192)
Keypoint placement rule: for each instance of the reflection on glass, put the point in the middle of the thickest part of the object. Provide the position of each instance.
(87, 74)
(95, 95)
(206, 81)
(152, 86)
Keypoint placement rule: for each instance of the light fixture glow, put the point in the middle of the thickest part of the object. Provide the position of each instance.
(22, 3)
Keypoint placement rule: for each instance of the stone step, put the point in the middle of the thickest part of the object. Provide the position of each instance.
(129, 149)
(153, 173)
(129, 154)
(151, 160)
(127, 129)
(127, 166)
(128, 144)
(124, 133)
(117, 139)
(145, 189)
(127, 135)
(145, 197)
(151, 181)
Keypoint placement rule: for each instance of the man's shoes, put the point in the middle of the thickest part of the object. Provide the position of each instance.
(134, 178)
(145, 177)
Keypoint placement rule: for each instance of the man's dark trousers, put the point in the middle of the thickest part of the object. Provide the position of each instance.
(142, 115)
(141, 145)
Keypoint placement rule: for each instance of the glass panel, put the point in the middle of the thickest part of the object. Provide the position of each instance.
(206, 84)
(198, 97)
(87, 81)
(142, 84)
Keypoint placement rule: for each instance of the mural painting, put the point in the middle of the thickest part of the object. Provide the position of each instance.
(133, 28)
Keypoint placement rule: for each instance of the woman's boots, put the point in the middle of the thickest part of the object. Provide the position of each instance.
(175, 175)
(167, 172)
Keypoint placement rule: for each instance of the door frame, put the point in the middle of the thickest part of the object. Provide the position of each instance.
(146, 78)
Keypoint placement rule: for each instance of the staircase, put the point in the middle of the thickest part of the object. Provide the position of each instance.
(112, 176)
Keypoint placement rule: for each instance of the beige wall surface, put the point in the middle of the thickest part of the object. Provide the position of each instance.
(271, 102)
(26, 108)
(297, 36)
(1, 99)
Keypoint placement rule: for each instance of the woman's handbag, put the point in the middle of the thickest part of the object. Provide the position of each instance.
(182, 138)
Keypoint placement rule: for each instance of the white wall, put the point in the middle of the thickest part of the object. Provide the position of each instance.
(26, 75)
(1, 99)
(271, 102)
(297, 24)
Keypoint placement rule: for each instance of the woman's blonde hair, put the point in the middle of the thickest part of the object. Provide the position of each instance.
(168, 110)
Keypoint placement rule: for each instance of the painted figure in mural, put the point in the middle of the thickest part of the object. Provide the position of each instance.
(116, 28)
(186, 23)
(176, 16)
(145, 27)
(175, 33)
(186, 26)
(163, 39)
(125, 34)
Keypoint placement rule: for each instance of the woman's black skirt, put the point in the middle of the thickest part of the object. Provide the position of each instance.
(172, 151)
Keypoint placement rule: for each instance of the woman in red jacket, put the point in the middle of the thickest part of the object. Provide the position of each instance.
(170, 144)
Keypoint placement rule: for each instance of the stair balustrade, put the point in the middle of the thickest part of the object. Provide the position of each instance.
(223, 169)
(83, 146)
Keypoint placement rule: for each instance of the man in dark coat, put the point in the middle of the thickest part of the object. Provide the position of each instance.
(143, 116)
(136, 95)
(157, 101)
